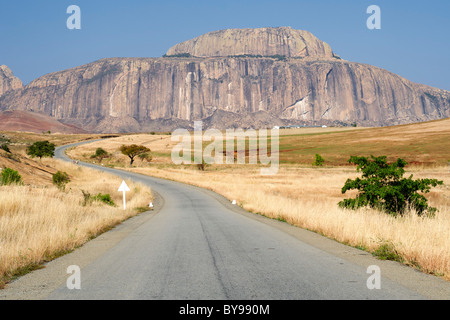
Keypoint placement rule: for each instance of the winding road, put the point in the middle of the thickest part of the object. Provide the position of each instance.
(198, 246)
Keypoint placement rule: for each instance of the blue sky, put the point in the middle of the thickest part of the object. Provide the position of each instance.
(413, 41)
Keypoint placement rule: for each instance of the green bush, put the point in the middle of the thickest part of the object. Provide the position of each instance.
(104, 198)
(318, 161)
(383, 187)
(387, 251)
(5, 147)
(100, 154)
(60, 179)
(9, 176)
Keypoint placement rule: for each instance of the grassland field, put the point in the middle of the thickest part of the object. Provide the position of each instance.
(307, 196)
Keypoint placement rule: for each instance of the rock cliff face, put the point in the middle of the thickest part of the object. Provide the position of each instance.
(8, 81)
(309, 86)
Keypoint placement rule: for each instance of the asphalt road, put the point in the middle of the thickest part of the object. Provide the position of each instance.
(198, 246)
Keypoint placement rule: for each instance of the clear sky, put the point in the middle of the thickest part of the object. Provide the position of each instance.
(414, 39)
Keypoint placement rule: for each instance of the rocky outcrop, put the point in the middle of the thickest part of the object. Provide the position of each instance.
(8, 81)
(161, 94)
(283, 41)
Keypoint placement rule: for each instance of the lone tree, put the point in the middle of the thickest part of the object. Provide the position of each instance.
(41, 149)
(383, 187)
(133, 150)
(100, 154)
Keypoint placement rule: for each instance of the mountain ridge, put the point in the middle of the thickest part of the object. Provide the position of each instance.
(162, 94)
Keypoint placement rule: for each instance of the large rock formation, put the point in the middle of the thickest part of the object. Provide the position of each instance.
(8, 81)
(283, 41)
(253, 78)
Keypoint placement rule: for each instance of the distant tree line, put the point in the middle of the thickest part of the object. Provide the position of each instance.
(178, 55)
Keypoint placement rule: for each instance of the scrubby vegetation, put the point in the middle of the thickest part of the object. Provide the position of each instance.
(100, 154)
(38, 223)
(89, 199)
(383, 187)
(60, 179)
(9, 176)
(5, 147)
(318, 160)
(179, 55)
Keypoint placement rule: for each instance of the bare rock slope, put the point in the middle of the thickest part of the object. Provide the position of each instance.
(283, 41)
(8, 81)
(232, 78)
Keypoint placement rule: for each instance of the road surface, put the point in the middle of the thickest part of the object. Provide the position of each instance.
(198, 246)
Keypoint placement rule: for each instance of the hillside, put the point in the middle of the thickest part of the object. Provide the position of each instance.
(420, 144)
(33, 171)
(17, 120)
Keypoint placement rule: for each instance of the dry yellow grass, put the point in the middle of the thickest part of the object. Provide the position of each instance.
(308, 198)
(38, 223)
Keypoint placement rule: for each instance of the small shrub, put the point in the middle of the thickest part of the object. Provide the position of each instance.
(105, 198)
(387, 251)
(88, 199)
(5, 147)
(201, 166)
(9, 176)
(60, 179)
(318, 161)
(100, 154)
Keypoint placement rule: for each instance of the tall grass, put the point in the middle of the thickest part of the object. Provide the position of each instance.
(39, 223)
(308, 198)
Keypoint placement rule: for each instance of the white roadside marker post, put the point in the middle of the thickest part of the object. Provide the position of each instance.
(124, 188)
